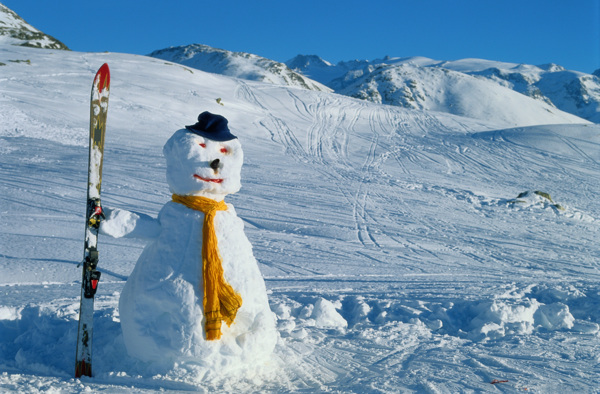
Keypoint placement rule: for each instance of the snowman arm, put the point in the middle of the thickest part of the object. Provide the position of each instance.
(120, 223)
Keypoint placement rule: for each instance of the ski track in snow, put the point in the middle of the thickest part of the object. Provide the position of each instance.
(403, 220)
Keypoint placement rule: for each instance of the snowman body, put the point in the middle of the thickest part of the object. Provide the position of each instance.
(161, 306)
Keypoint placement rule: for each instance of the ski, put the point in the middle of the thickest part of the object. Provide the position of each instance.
(94, 214)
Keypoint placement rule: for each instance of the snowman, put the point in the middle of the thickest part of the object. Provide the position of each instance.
(196, 293)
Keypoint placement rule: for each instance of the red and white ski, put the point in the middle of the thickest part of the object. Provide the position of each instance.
(94, 214)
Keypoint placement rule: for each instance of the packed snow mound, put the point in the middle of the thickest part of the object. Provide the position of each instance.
(326, 316)
(40, 337)
(15, 31)
(120, 223)
(163, 304)
(236, 64)
(494, 319)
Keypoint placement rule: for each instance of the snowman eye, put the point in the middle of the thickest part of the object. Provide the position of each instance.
(202, 144)
(224, 150)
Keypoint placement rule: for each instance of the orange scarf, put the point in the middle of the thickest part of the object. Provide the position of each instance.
(220, 301)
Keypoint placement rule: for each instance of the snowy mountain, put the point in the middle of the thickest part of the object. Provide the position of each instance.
(406, 81)
(468, 87)
(399, 81)
(321, 70)
(14, 30)
(439, 89)
(236, 64)
(570, 91)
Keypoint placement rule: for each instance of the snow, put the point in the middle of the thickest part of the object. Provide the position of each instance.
(15, 31)
(236, 64)
(443, 90)
(8, 19)
(419, 82)
(394, 253)
(161, 305)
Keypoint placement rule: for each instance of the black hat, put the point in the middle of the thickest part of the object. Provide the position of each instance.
(211, 126)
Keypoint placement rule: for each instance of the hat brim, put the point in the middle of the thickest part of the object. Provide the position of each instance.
(220, 136)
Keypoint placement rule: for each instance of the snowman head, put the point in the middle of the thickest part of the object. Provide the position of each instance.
(204, 159)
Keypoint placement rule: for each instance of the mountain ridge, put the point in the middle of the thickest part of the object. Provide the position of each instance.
(15, 31)
(411, 82)
(570, 91)
(236, 64)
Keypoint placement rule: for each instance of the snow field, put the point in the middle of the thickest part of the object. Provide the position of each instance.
(395, 255)
(381, 332)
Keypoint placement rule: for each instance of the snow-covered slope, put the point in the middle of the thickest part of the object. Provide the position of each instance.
(418, 83)
(570, 91)
(14, 30)
(439, 89)
(398, 246)
(236, 64)
(460, 87)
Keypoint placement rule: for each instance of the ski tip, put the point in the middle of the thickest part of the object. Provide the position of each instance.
(103, 77)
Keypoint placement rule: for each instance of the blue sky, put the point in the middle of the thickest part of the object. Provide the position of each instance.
(523, 31)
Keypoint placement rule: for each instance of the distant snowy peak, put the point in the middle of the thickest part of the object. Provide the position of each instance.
(325, 72)
(316, 68)
(302, 62)
(438, 89)
(570, 91)
(237, 64)
(14, 30)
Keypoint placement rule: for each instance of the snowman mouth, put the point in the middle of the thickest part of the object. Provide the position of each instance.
(213, 180)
